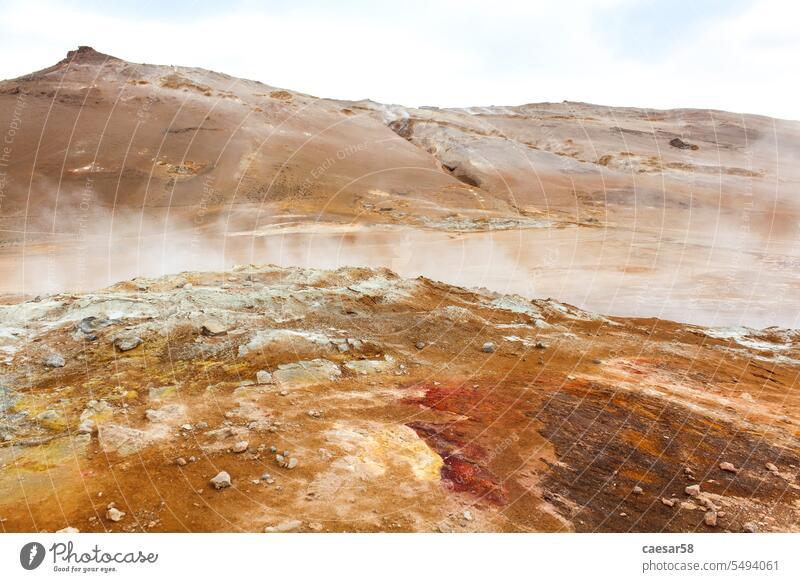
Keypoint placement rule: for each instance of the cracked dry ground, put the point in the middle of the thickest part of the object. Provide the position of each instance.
(396, 413)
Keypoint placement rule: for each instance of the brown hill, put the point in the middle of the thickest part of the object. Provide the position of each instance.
(116, 169)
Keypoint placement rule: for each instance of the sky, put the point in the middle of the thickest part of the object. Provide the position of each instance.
(736, 55)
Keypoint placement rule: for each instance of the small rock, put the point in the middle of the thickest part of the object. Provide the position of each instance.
(668, 502)
(213, 327)
(69, 530)
(315, 413)
(750, 527)
(54, 360)
(114, 514)
(467, 515)
(187, 427)
(240, 447)
(540, 346)
(638, 490)
(263, 377)
(180, 461)
(771, 467)
(221, 481)
(88, 426)
(682, 145)
(688, 505)
(693, 490)
(728, 467)
(711, 518)
(420, 345)
(286, 461)
(706, 502)
(127, 343)
(488, 347)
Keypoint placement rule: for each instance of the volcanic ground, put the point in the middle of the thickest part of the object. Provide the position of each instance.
(289, 399)
(385, 360)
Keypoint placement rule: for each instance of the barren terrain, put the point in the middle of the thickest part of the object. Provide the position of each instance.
(354, 400)
(547, 317)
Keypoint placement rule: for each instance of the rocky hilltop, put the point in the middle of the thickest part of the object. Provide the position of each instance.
(288, 399)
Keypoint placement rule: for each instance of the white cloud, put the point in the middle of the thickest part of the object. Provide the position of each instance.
(442, 53)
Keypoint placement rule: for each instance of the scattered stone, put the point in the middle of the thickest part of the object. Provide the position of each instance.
(315, 413)
(638, 490)
(187, 427)
(668, 502)
(221, 481)
(728, 467)
(693, 490)
(263, 377)
(706, 502)
(365, 367)
(711, 518)
(114, 514)
(54, 360)
(286, 461)
(165, 414)
(420, 345)
(750, 527)
(240, 447)
(771, 467)
(127, 343)
(689, 505)
(89, 325)
(488, 347)
(213, 327)
(88, 426)
(180, 461)
(306, 373)
(682, 145)
(69, 530)
(467, 515)
(540, 346)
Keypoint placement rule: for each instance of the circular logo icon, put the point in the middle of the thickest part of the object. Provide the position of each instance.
(31, 555)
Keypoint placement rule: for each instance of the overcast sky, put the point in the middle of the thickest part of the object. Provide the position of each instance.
(738, 55)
